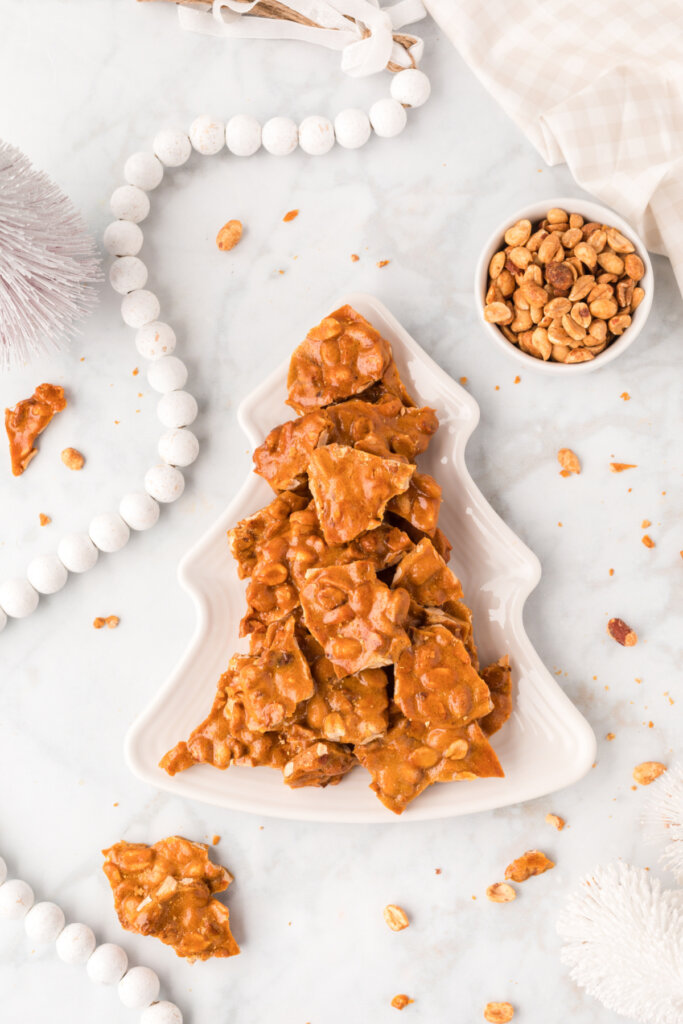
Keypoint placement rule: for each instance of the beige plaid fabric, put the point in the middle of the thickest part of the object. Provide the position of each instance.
(598, 85)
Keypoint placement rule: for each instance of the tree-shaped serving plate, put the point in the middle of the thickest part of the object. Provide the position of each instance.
(546, 744)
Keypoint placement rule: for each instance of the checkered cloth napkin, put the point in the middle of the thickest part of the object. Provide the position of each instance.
(597, 85)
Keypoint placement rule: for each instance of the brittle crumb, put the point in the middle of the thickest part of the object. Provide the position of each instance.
(619, 467)
(110, 621)
(609, 736)
(625, 395)
(533, 862)
(354, 257)
(43, 519)
(556, 821)
(645, 523)
(383, 263)
(648, 541)
(400, 1001)
(569, 462)
(290, 215)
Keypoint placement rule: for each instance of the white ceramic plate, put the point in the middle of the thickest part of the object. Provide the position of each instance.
(545, 746)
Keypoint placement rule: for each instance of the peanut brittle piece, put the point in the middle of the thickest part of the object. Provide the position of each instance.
(427, 578)
(389, 385)
(167, 890)
(457, 618)
(272, 684)
(223, 736)
(256, 529)
(283, 457)
(351, 489)
(385, 428)
(498, 678)
(340, 357)
(28, 419)
(315, 762)
(357, 620)
(348, 710)
(436, 683)
(411, 757)
(419, 504)
(271, 594)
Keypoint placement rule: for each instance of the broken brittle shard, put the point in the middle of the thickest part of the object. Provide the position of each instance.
(361, 648)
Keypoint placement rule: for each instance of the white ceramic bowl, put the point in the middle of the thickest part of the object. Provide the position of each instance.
(590, 212)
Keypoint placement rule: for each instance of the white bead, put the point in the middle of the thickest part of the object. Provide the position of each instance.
(164, 483)
(243, 135)
(16, 899)
(3, 870)
(44, 922)
(388, 117)
(316, 135)
(75, 944)
(140, 307)
(123, 238)
(47, 574)
(77, 552)
(178, 447)
(139, 510)
(167, 374)
(155, 340)
(108, 532)
(126, 274)
(128, 202)
(3, 620)
(107, 965)
(172, 146)
(144, 170)
(207, 135)
(410, 87)
(139, 988)
(280, 136)
(161, 1013)
(177, 409)
(18, 598)
(352, 128)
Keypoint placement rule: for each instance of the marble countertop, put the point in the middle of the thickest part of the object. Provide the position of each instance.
(86, 84)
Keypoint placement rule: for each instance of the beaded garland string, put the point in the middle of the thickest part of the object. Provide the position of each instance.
(177, 409)
(75, 944)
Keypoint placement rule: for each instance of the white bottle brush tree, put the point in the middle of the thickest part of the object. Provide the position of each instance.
(48, 262)
(623, 933)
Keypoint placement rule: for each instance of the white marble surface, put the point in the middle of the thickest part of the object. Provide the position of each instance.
(84, 85)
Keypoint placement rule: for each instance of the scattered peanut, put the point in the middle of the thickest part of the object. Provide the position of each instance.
(229, 235)
(556, 821)
(622, 633)
(72, 458)
(395, 917)
(501, 892)
(647, 772)
(498, 1013)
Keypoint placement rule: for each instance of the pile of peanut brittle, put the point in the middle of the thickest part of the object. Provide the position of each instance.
(361, 646)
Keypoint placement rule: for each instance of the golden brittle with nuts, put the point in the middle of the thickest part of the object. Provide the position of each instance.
(533, 862)
(648, 771)
(569, 462)
(563, 289)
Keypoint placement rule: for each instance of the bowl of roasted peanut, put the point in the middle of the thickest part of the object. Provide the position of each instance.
(564, 286)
